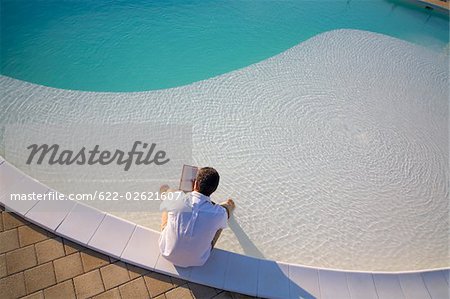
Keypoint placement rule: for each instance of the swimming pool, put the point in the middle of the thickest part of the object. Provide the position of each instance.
(142, 45)
(336, 151)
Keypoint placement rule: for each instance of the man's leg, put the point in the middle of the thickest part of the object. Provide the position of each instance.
(216, 237)
(164, 216)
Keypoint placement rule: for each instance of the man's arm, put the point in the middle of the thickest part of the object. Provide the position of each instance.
(229, 206)
(216, 237)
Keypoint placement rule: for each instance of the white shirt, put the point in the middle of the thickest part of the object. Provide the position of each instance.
(186, 239)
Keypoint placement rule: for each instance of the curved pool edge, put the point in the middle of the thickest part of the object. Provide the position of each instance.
(138, 245)
(43, 91)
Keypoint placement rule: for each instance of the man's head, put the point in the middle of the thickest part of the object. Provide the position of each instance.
(206, 181)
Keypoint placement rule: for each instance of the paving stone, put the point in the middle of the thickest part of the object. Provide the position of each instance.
(39, 277)
(20, 259)
(81, 223)
(10, 221)
(134, 271)
(182, 292)
(49, 250)
(162, 296)
(88, 284)
(112, 236)
(213, 271)
(61, 290)
(3, 271)
(201, 291)
(92, 260)
(436, 284)
(37, 295)
(142, 248)
(111, 294)
(242, 274)
(50, 213)
(273, 279)
(134, 289)
(114, 274)
(166, 267)
(157, 283)
(9, 240)
(31, 234)
(12, 286)
(68, 267)
(304, 282)
(71, 247)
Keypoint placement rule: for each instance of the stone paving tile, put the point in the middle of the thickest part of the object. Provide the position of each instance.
(92, 260)
(39, 277)
(134, 289)
(49, 250)
(9, 240)
(31, 234)
(3, 272)
(157, 283)
(88, 284)
(64, 290)
(201, 291)
(71, 247)
(134, 271)
(114, 274)
(20, 259)
(37, 295)
(181, 292)
(111, 294)
(68, 267)
(10, 221)
(13, 286)
(60, 260)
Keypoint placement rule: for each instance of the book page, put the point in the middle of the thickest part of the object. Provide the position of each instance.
(188, 177)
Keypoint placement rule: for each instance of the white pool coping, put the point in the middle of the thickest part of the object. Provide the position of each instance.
(226, 270)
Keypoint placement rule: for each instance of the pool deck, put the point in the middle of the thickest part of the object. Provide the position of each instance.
(71, 247)
(39, 264)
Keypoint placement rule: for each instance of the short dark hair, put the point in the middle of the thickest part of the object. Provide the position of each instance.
(207, 180)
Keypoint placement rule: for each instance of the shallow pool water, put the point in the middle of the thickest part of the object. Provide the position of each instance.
(140, 45)
(335, 151)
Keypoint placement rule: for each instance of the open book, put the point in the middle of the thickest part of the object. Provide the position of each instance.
(187, 178)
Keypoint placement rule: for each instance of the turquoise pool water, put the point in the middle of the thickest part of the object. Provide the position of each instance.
(142, 45)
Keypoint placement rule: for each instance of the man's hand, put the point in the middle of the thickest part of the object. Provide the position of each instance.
(229, 205)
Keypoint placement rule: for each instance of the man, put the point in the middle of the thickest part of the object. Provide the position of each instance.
(189, 234)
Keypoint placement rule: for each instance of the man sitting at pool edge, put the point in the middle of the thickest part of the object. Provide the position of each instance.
(188, 236)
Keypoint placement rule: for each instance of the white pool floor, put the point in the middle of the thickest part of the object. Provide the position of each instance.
(335, 151)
